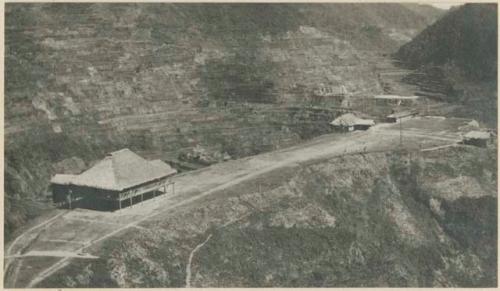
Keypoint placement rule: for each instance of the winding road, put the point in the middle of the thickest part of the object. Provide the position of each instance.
(73, 233)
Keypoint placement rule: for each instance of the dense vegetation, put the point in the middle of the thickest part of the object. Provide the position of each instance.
(460, 51)
(465, 37)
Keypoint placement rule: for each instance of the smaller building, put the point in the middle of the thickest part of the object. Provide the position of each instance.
(330, 91)
(350, 122)
(400, 116)
(395, 100)
(477, 138)
(329, 94)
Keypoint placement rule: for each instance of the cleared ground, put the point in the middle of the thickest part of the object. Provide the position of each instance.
(45, 248)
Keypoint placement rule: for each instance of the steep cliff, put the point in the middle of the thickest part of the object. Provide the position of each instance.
(162, 79)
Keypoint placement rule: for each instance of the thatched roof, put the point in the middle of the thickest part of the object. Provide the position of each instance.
(477, 135)
(350, 119)
(118, 171)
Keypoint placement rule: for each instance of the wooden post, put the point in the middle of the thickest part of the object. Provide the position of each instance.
(119, 203)
(69, 198)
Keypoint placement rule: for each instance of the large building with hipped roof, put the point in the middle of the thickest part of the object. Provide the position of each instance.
(119, 180)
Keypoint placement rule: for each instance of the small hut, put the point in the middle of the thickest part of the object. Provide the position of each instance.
(400, 116)
(477, 138)
(395, 100)
(350, 122)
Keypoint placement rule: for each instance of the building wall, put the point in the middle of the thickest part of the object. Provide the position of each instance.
(144, 188)
(101, 199)
(59, 193)
(476, 142)
(343, 128)
(361, 127)
(399, 119)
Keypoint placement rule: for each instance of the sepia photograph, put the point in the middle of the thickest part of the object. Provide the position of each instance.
(177, 145)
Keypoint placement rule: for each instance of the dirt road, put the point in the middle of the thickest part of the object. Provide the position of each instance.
(74, 232)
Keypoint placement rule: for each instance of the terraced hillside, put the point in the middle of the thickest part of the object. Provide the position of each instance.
(192, 84)
(457, 60)
(354, 210)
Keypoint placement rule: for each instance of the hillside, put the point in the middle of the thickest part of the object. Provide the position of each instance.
(333, 212)
(191, 84)
(338, 210)
(459, 51)
(311, 229)
(466, 37)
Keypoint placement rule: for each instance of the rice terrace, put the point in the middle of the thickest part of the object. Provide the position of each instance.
(154, 145)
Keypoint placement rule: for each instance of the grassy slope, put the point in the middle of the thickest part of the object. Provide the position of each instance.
(363, 220)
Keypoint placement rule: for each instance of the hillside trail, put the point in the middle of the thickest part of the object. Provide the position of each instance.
(53, 254)
(190, 261)
(198, 184)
